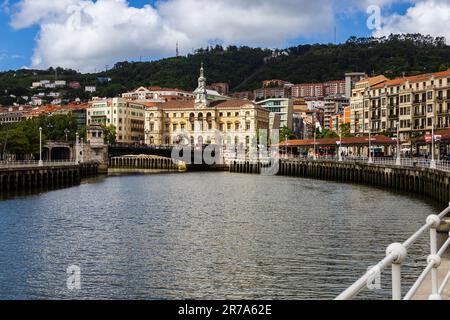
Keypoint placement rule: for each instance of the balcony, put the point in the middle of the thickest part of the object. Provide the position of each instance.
(393, 115)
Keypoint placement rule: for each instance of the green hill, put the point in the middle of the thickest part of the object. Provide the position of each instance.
(244, 68)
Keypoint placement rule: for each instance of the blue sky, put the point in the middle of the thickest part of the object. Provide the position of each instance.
(26, 45)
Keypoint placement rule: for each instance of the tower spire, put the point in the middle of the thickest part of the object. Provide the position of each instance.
(201, 96)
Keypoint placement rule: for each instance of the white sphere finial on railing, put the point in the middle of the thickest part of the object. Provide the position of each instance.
(435, 259)
(434, 220)
(400, 252)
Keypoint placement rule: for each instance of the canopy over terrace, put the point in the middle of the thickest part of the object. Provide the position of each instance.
(422, 145)
(354, 146)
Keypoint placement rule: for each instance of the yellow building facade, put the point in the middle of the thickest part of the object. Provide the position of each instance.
(201, 121)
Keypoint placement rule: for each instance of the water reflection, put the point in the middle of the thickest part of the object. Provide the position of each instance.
(202, 235)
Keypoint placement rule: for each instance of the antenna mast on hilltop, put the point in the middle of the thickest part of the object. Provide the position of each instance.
(177, 51)
(335, 35)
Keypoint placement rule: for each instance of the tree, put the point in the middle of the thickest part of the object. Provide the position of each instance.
(285, 132)
(345, 130)
(326, 134)
(21, 139)
(55, 127)
(110, 134)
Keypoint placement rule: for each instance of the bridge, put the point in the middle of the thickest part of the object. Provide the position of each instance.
(161, 157)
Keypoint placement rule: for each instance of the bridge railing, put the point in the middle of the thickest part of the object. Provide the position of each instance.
(397, 253)
(35, 163)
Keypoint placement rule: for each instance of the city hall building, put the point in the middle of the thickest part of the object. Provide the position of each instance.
(197, 121)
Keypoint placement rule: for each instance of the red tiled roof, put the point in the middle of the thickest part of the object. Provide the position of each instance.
(442, 74)
(376, 140)
(231, 104)
(178, 104)
(416, 78)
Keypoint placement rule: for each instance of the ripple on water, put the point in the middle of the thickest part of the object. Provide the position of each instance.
(202, 235)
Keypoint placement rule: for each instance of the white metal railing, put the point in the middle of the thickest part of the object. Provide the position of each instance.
(442, 165)
(397, 253)
(35, 163)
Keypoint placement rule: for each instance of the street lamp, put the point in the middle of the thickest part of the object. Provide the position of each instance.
(40, 147)
(433, 161)
(340, 146)
(315, 149)
(66, 131)
(286, 143)
(398, 162)
(370, 146)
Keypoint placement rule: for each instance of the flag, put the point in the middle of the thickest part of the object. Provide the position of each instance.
(318, 125)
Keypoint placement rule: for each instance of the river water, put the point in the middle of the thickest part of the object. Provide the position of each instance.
(203, 236)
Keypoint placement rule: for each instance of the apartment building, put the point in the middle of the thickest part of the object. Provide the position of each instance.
(281, 107)
(221, 87)
(143, 94)
(126, 116)
(359, 104)
(308, 90)
(413, 104)
(335, 88)
(243, 95)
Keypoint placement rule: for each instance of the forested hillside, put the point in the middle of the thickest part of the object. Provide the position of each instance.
(244, 68)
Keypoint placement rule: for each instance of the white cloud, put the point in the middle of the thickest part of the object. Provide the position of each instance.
(5, 6)
(425, 16)
(87, 34)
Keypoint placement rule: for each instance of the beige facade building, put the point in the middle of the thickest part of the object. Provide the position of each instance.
(126, 116)
(159, 94)
(359, 104)
(415, 104)
(204, 121)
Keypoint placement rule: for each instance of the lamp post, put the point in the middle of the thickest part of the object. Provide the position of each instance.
(315, 152)
(286, 143)
(40, 147)
(398, 162)
(340, 146)
(370, 146)
(66, 131)
(433, 161)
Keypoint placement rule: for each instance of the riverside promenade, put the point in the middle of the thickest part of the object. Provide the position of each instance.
(30, 175)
